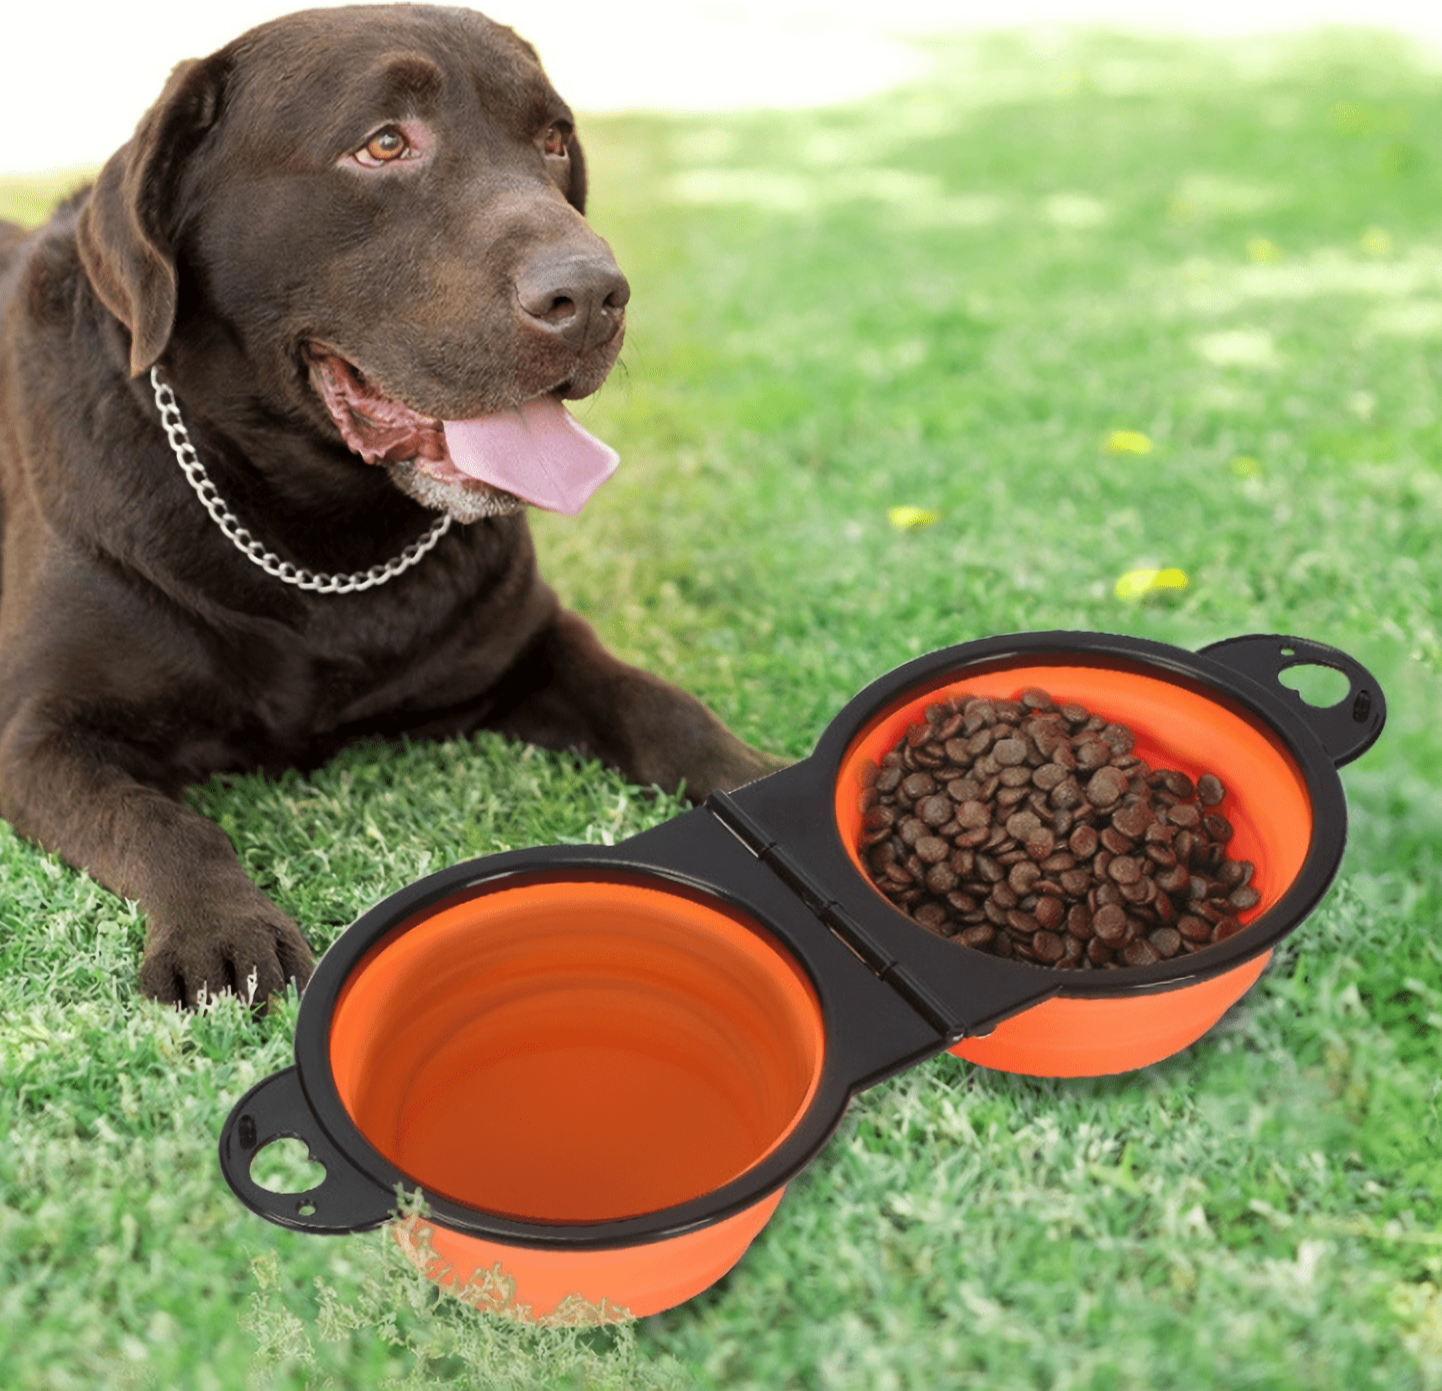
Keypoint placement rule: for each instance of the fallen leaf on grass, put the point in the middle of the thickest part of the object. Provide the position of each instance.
(911, 518)
(1375, 241)
(1128, 442)
(1135, 583)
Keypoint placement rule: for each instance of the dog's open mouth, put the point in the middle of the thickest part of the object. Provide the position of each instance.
(531, 453)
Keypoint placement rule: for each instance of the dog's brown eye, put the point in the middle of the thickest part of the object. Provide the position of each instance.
(554, 140)
(383, 147)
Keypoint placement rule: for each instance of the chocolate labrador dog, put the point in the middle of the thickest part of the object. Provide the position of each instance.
(275, 394)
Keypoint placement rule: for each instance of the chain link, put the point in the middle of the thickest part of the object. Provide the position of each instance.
(246, 544)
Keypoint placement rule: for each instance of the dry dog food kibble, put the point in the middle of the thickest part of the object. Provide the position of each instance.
(1030, 829)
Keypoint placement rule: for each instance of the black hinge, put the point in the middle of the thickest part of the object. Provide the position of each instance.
(880, 962)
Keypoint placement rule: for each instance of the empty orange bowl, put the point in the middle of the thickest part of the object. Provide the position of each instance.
(640, 1047)
(599, 1077)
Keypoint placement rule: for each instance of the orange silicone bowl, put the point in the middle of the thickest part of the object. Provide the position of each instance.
(565, 1053)
(640, 1047)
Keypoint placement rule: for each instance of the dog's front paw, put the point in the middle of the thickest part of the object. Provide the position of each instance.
(726, 765)
(250, 950)
(750, 764)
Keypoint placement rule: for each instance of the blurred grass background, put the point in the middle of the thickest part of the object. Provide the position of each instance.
(1086, 307)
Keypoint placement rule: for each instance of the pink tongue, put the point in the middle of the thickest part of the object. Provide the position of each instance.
(535, 451)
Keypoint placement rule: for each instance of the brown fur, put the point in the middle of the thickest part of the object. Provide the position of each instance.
(139, 651)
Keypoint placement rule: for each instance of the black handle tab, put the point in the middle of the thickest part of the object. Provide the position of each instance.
(346, 1200)
(1347, 729)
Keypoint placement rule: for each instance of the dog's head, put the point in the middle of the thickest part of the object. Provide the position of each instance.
(378, 210)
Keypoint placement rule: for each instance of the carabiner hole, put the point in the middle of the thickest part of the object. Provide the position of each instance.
(285, 1166)
(1321, 686)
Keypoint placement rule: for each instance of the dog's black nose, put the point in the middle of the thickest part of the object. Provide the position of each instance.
(581, 299)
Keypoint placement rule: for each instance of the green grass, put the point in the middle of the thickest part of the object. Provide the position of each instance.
(944, 300)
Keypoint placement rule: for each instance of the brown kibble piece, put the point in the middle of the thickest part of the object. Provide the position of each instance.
(1218, 827)
(1167, 941)
(1133, 820)
(1048, 947)
(931, 850)
(1193, 928)
(1121, 739)
(1113, 840)
(1049, 912)
(1210, 791)
(973, 815)
(1009, 752)
(877, 817)
(1109, 923)
(932, 916)
(1040, 844)
(936, 810)
(1021, 824)
(1140, 953)
(1105, 786)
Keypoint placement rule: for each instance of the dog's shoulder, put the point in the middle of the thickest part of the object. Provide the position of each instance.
(12, 240)
(19, 244)
(47, 305)
(62, 358)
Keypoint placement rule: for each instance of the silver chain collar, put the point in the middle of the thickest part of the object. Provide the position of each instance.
(247, 545)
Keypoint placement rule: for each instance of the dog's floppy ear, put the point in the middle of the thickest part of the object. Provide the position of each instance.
(125, 233)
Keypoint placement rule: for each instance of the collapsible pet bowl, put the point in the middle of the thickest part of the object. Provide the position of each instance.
(601, 1066)
(1224, 713)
